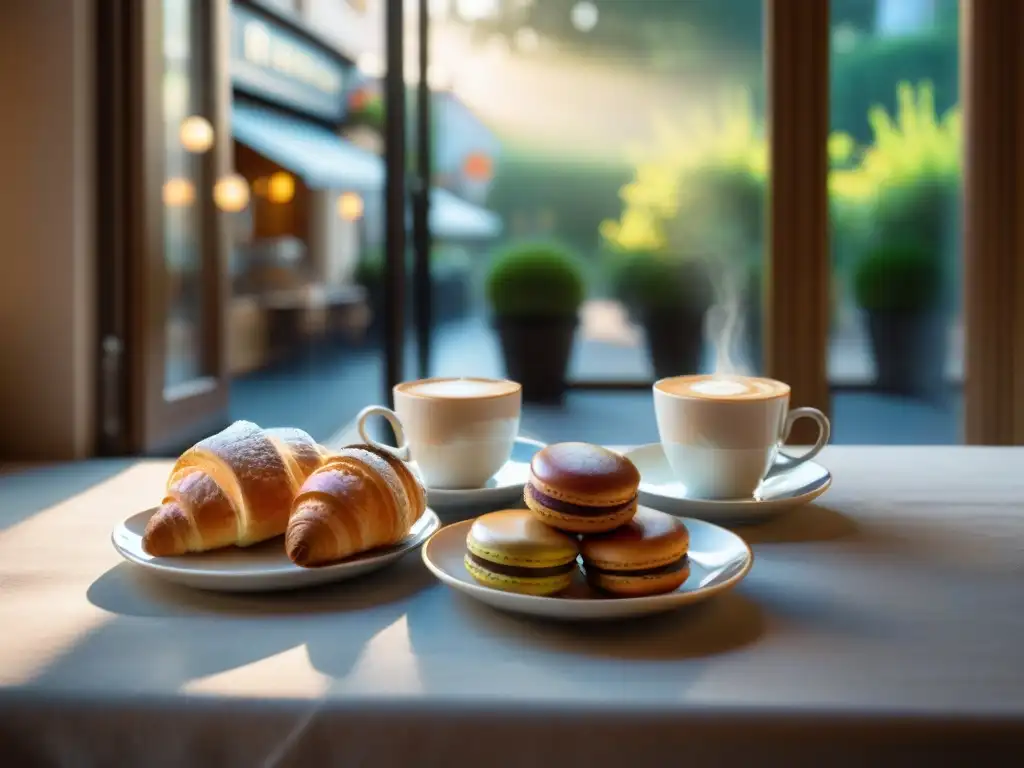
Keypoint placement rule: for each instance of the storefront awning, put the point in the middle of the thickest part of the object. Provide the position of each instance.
(326, 161)
(453, 218)
(323, 160)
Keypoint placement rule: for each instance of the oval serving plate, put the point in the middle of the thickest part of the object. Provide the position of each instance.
(261, 568)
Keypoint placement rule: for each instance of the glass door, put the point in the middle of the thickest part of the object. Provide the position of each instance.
(164, 140)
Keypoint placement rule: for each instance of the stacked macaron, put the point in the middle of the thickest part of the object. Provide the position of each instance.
(582, 501)
(582, 488)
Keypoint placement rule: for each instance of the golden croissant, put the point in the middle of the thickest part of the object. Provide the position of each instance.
(360, 499)
(233, 488)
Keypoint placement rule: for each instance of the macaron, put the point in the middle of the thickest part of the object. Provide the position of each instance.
(582, 488)
(646, 556)
(513, 551)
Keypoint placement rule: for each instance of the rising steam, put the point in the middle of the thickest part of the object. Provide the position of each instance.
(725, 321)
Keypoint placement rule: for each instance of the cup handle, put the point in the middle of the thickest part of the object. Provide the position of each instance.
(402, 451)
(824, 432)
(530, 441)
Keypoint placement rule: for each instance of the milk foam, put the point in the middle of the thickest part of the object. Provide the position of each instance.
(461, 388)
(720, 387)
(723, 387)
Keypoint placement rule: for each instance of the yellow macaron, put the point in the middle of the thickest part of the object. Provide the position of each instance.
(512, 551)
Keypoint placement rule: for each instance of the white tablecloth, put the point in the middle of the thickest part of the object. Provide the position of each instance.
(888, 617)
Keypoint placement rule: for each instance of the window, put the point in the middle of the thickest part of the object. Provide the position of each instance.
(895, 355)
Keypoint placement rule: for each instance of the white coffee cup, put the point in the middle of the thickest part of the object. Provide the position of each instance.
(721, 435)
(458, 431)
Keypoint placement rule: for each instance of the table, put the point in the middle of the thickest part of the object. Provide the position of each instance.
(884, 625)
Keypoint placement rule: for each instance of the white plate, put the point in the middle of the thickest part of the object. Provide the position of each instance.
(504, 489)
(783, 489)
(260, 568)
(719, 559)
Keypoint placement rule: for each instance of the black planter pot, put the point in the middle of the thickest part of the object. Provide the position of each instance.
(536, 352)
(910, 352)
(675, 342)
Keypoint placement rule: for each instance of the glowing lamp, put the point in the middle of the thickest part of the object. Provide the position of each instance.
(350, 206)
(231, 193)
(196, 134)
(280, 187)
(178, 193)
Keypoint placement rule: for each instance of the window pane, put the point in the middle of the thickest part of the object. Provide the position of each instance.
(186, 135)
(626, 138)
(305, 339)
(896, 346)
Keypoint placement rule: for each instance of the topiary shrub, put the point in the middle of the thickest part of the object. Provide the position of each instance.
(535, 280)
(898, 278)
(657, 284)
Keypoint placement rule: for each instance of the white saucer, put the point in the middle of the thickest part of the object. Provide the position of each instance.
(260, 568)
(719, 559)
(504, 489)
(783, 489)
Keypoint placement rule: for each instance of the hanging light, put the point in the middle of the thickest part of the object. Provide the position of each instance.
(350, 206)
(584, 16)
(280, 187)
(178, 193)
(231, 193)
(196, 134)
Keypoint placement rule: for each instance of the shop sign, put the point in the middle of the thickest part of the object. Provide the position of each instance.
(275, 64)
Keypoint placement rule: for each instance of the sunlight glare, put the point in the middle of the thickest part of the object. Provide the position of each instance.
(584, 16)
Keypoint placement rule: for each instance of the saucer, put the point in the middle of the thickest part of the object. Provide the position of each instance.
(783, 489)
(719, 559)
(502, 490)
(262, 567)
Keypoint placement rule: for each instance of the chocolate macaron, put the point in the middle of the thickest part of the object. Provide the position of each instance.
(582, 488)
(512, 551)
(646, 556)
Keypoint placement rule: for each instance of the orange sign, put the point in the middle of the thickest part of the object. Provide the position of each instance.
(478, 167)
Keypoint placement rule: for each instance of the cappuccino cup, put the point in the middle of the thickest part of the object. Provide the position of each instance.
(722, 434)
(458, 431)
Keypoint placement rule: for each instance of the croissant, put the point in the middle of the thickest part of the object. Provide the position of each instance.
(233, 488)
(360, 499)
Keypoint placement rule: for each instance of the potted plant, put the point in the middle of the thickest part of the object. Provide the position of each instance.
(535, 291)
(668, 297)
(898, 285)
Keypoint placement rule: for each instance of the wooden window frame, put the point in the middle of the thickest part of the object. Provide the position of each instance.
(798, 265)
(162, 421)
(993, 242)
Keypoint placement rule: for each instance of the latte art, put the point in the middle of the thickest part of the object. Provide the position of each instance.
(459, 388)
(712, 387)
